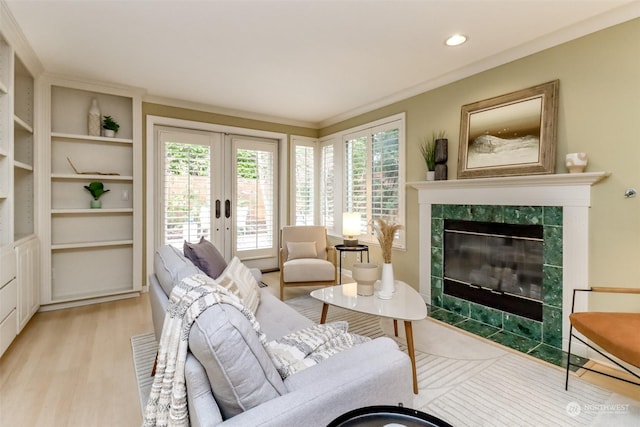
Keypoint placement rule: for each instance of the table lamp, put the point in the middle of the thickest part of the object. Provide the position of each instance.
(351, 228)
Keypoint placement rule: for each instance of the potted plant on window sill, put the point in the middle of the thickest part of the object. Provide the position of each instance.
(109, 127)
(96, 189)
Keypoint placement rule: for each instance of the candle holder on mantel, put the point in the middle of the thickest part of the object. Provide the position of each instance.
(442, 155)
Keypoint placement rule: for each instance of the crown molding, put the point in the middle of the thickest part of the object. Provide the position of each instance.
(15, 37)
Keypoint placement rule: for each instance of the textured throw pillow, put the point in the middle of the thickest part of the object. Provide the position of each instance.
(301, 250)
(205, 256)
(238, 276)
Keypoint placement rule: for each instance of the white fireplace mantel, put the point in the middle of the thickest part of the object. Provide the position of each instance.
(571, 191)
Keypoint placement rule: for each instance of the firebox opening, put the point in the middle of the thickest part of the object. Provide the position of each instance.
(495, 264)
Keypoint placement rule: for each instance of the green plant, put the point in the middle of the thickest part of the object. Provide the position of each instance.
(428, 149)
(96, 189)
(109, 123)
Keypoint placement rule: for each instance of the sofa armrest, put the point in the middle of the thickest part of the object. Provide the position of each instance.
(373, 373)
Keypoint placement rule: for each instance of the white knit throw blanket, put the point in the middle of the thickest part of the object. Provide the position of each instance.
(167, 404)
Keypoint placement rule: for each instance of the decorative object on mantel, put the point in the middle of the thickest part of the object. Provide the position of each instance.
(576, 162)
(512, 134)
(96, 189)
(385, 232)
(109, 127)
(366, 275)
(428, 150)
(93, 121)
(441, 156)
(90, 172)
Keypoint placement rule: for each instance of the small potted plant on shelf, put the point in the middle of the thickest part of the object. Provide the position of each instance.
(109, 127)
(96, 189)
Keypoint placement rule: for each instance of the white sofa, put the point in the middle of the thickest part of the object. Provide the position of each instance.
(231, 380)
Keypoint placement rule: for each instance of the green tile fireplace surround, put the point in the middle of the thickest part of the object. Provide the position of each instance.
(542, 340)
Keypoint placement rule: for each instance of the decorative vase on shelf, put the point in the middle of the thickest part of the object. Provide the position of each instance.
(96, 204)
(108, 133)
(387, 284)
(94, 120)
(576, 162)
(431, 175)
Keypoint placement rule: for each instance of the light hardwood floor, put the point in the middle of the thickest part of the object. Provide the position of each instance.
(74, 367)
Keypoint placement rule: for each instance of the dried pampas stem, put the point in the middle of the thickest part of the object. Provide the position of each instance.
(385, 232)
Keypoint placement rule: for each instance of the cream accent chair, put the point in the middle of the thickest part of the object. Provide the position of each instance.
(306, 258)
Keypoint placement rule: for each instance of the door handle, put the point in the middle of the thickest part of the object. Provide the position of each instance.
(218, 209)
(227, 208)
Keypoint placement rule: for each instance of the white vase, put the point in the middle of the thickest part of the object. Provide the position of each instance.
(431, 175)
(576, 162)
(108, 133)
(93, 121)
(387, 285)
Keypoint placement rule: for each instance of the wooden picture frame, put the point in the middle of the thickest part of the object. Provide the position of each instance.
(512, 134)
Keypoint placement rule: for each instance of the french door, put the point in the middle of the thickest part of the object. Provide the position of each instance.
(221, 187)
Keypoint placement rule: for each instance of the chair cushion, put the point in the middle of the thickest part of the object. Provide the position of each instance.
(205, 256)
(238, 276)
(239, 369)
(308, 270)
(301, 250)
(171, 266)
(616, 333)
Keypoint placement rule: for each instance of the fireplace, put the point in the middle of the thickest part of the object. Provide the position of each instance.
(560, 203)
(496, 265)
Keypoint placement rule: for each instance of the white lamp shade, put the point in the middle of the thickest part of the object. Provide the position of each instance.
(351, 224)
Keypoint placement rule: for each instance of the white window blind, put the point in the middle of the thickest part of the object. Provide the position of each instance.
(356, 177)
(304, 184)
(327, 185)
(187, 192)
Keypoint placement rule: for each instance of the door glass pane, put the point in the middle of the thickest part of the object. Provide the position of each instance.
(255, 198)
(187, 193)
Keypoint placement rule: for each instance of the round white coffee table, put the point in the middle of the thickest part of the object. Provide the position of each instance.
(406, 305)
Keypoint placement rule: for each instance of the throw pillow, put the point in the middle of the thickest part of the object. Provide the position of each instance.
(205, 256)
(237, 275)
(301, 250)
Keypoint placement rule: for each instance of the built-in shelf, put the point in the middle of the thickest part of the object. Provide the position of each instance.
(85, 138)
(104, 244)
(21, 123)
(3, 152)
(84, 177)
(109, 294)
(100, 211)
(23, 166)
(3, 88)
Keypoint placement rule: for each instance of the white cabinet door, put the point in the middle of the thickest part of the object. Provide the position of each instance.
(28, 280)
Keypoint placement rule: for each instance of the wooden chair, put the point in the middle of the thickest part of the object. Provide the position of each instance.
(617, 334)
(306, 258)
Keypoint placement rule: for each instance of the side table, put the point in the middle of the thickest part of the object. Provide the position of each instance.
(344, 248)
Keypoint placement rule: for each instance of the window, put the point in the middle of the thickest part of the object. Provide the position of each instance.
(372, 171)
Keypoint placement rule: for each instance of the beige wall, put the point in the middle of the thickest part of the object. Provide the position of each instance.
(599, 113)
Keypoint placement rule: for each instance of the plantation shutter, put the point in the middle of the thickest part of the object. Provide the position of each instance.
(385, 171)
(356, 178)
(327, 183)
(304, 184)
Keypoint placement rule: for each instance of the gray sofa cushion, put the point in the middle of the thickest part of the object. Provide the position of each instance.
(171, 266)
(206, 257)
(240, 372)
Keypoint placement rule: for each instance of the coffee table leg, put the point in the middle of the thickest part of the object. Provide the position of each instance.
(408, 330)
(323, 316)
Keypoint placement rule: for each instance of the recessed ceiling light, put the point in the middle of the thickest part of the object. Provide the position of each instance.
(456, 40)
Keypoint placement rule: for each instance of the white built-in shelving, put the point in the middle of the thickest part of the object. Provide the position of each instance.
(19, 245)
(93, 254)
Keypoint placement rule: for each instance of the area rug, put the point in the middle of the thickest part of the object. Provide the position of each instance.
(464, 380)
